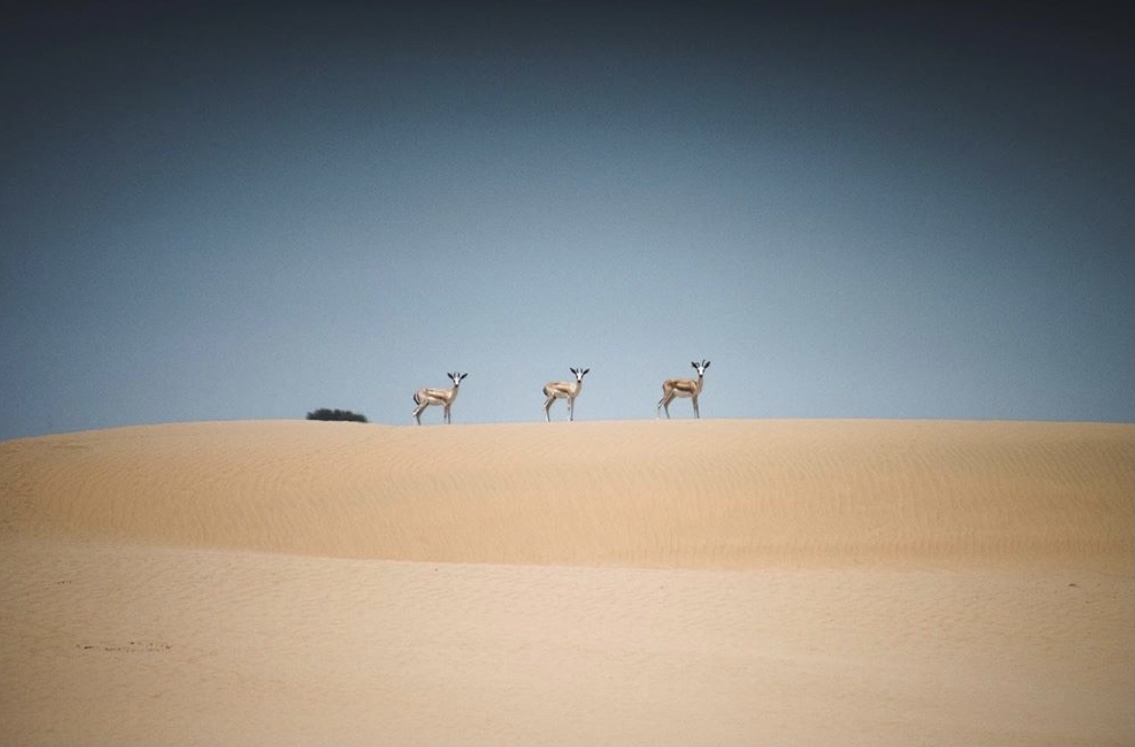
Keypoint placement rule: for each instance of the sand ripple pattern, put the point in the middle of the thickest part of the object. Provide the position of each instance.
(696, 494)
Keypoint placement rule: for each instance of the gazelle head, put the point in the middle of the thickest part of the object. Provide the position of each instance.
(580, 373)
(456, 378)
(701, 367)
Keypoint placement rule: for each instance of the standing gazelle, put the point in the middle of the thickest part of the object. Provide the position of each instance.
(672, 388)
(568, 390)
(423, 398)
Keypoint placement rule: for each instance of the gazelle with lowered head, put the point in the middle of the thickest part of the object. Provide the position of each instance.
(672, 388)
(423, 398)
(568, 390)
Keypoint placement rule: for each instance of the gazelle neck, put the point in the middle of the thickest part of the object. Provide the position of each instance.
(577, 385)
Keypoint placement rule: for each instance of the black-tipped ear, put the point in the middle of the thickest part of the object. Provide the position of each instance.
(707, 364)
(693, 364)
(572, 370)
(586, 371)
(464, 375)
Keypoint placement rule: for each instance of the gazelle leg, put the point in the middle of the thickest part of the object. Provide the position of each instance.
(548, 408)
(418, 412)
(696, 413)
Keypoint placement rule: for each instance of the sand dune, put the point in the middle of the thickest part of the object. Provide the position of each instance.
(788, 582)
(678, 494)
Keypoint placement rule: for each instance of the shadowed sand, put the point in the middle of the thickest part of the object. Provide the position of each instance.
(724, 582)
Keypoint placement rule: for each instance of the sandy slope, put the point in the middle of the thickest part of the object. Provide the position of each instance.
(788, 582)
(689, 494)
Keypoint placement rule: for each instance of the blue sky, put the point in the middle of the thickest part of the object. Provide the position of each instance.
(222, 211)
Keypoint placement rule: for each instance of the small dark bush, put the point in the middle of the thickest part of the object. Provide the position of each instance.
(325, 414)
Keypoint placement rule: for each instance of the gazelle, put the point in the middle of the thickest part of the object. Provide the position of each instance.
(568, 390)
(423, 398)
(672, 388)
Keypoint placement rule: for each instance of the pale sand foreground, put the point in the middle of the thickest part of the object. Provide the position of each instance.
(709, 582)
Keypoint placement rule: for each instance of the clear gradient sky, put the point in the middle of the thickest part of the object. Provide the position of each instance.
(218, 211)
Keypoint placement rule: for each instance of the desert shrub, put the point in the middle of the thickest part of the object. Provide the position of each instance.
(325, 414)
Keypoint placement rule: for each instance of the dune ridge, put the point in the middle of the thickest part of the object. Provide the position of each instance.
(696, 494)
(684, 582)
